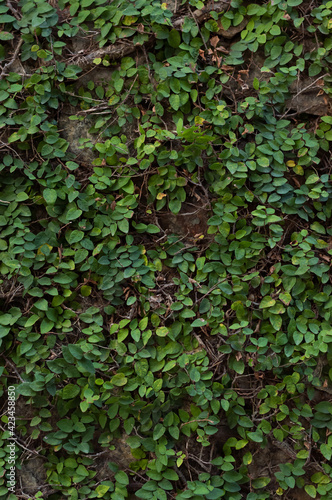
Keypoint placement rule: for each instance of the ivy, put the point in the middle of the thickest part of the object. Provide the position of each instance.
(165, 247)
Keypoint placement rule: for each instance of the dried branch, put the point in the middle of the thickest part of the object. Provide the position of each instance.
(309, 86)
(8, 64)
(14, 368)
(200, 15)
(115, 51)
(13, 10)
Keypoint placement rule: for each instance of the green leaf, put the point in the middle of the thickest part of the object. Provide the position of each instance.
(324, 407)
(4, 35)
(3, 245)
(46, 150)
(275, 30)
(276, 321)
(22, 197)
(31, 321)
(252, 9)
(170, 474)
(46, 326)
(119, 380)
(199, 322)
(25, 389)
(314, 70)
(65, 425)
(158, 431)
(70, 391)
(317, 227)
(261, 482)
(134, 442)
(175, 206)
(194, 375)
(50, 196)
(320, 478)
(71, 165)
(123, 225)
(152, 229)
(311, 490)
(267, 302)
(75, 351)
(41, 304)
(257, 436)
(174, 101)
(326, 451)
(122, 478)
(74, 236)
(238, 366)
(73, 213)
(174, 38)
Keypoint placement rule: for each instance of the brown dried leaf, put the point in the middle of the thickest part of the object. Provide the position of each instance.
(214, 41)
(222, 49)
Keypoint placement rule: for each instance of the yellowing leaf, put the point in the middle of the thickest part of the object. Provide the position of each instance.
(290, 163)
(40, 251)
(199, 120)
(285, 298)
(160, 196)
(86, 290)
(119, 380)
(247, 458)
(164, 6)
(162, 331)
(267, 302)
(298, 170)
(97, 60)
(101, 490)
(128, 20)
(311, 490)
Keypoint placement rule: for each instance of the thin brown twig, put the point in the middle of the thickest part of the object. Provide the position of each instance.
(200, 14)
(14, 368)
(311, 85)
(13, 11)
(8, 64)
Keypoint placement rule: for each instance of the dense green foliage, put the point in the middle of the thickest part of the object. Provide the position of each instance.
(115, 325)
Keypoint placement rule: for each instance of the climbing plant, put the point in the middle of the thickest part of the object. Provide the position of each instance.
(165, 248)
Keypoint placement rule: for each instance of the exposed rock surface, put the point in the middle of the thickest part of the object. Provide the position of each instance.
(121, 456)
(191, 221)
(75, 131)
(32, 475)
(232, 31)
